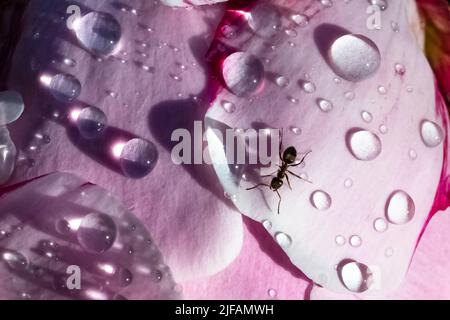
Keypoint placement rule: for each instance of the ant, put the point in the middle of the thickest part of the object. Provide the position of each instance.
(287, 158)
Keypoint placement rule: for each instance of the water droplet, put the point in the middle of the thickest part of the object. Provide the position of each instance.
(264, 19)
(308, 87)
(324, 105)
(355, 276)
(340, 240)
(228, 106)
(382, 4)
(364, 145)
(349, 95)
(290, 32)
(327, 3)
(366, 116)
(14, 260)
(98, 32)
(354, 57)
(293, 100)
(382, 90)
(400, 208)
(91, 122)
(138, 157)
(348, 183)
(431, 133)
(97, 232)
(412, 154)
(355, 241)
(282, 81)
(395, 27)
(125, 277)
(389, 252)
(300, 19)
(295, 130)
(272, 293)
(283, 239)
(69, 62)
(267, 224)
(320, 200)
(380, 225)
(243, 74)
(400, 69)
(62, 227)
(8, 153)
(157, 275)
(228, 31)
(383, 129)
(64, 87)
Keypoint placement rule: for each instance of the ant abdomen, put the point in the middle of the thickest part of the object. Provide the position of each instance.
(290, 155)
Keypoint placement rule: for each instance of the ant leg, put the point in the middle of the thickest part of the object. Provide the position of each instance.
(269, 175)
(296, 175)
(301, 161)
(289, 183)
(258, 185)
(279, 201)
(281, 146)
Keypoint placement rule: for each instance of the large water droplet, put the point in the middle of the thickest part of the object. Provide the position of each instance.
(64, 87)
(91, 122)
(320, 200)
(8, 153)
(355, 276)
(431, 133)
(243, 74)
(283, 239)
(99, 32)
(264, 20)
(11, 107)
(400, 208)
(354, 57)
(364, 145)
(97, 232)
(138, 158)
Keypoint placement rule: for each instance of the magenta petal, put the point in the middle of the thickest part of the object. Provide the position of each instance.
(147, 89)
(373, 135)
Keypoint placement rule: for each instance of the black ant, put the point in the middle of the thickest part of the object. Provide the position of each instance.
(287, 158)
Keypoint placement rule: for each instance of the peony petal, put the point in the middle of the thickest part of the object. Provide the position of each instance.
(147, 89)
(372, 138)
(76, 226)
(188, 3)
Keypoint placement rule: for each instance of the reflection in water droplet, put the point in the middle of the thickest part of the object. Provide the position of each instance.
(324, 105)
(64, 87)
(264, 19)
(320, 200)
(243, 74)
(400, 208)
(283, 239)
(97, 232)
(137, 158)
(355, 276)
(364, 145)
(431, 133)
(380, 225)
(125, 277)
(91, 122)
(98, 32)
(354, 57)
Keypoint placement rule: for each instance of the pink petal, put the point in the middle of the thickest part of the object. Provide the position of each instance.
(326, 225)
(188, 3)
(184, 209)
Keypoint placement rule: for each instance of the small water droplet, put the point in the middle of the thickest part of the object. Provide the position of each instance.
(243, 74)
(14, 260)
(380, 225)
(400, 208)
(69, 62)
(412, 154)
(400, 69)
(300, 19)
(431, 133)
(324, 105)
(382, 4)
(320, 200)
(354, 57)
(293, 100)
(308, 87)
(383, 129)
(382, 90)
(267, 224)
(355, 241)
(272, 293)
(366, 116)
(125, 277)
(389, 252)
(349, 95)
(97, 232)
(290, 32)
(364, 145)
(348, 183)
(355, 276)
(282, 81)
(91, 122)
(138, 158)
(228, 106)
(295, 130)
(283, 239)
(340, 240)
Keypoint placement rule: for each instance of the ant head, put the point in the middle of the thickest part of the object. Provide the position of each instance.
(290, 155)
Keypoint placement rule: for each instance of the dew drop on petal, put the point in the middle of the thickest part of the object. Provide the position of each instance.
(91, 122)
(348, 183)
(340, 240)
(264, 19)
(243, 74)
(364, 145)
(355, 276)
(380, 225)
(137, 158)
(400, 69)
(300, 19)
(324, 105)
(382, 4)
(355, 241)
(320, 200)
(97, 232)
(400, 208)
(412, 154)
(14, 260)
(366, 116)
(383, 129)
(282, 81)
(63, 87)
(98, 32)
(272, 293)
(11, 107)
(228, 106)
(431, 133)
(295, 130)
(382, 90)
(8, 153)
(349, 95)
(267, 224)
(283, 239)
(354, 57)
(308, 87)
(389, 252)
